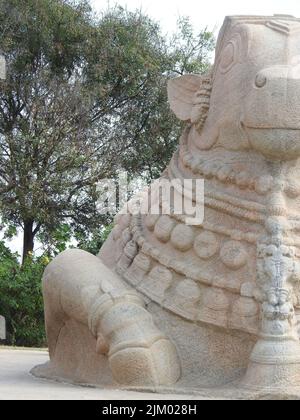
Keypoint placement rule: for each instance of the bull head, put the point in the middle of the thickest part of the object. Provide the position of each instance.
(251, 99)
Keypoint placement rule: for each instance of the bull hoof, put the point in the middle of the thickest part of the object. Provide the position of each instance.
(154, 366)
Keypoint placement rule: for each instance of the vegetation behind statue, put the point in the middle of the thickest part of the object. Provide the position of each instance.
(84, 97)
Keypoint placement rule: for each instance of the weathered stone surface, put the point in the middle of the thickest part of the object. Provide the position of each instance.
(2, 328)
(225, 293)
(2, 67)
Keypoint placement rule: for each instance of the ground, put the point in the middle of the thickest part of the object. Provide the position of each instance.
(16, 383)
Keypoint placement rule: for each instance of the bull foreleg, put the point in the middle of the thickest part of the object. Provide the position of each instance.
(78, 286)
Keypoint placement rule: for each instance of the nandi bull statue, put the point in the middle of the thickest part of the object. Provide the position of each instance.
(172, 305)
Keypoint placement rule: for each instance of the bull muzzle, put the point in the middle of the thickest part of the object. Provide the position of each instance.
(272, 112)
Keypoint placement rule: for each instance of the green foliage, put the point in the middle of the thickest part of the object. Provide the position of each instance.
(58, 241)
(190, 52)
(49, 30)
(94, 240)
(21, 300)
(84, 98)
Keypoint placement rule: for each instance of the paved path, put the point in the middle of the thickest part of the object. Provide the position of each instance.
(17, 384)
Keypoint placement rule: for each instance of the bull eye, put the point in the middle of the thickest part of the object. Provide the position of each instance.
(228, 57)
(260, 80)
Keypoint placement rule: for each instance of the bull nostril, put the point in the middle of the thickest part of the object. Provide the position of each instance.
(260, 80)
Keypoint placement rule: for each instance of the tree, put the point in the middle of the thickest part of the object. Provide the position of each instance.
(83, 98)
(21, 299)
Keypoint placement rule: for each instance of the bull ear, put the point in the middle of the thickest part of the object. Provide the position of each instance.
(181, 92)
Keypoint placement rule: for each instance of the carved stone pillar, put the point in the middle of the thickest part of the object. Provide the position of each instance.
(275, 360)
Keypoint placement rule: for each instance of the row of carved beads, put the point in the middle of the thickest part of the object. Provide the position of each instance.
(226, 173)
(205, 244)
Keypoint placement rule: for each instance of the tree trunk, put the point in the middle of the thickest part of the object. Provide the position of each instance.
(28, 239)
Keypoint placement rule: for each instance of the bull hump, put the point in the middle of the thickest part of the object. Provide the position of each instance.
(171, 264)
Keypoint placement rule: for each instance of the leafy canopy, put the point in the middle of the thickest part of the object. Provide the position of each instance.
(84, 97)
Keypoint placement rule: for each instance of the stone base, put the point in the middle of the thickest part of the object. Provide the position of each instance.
(205, 370)
(272, 378)
(2, 328)
(233, 391)
(274, 365)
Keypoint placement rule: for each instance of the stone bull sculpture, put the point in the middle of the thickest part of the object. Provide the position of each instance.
(168, 304)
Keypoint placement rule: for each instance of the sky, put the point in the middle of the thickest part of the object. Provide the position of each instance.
(208, 14)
